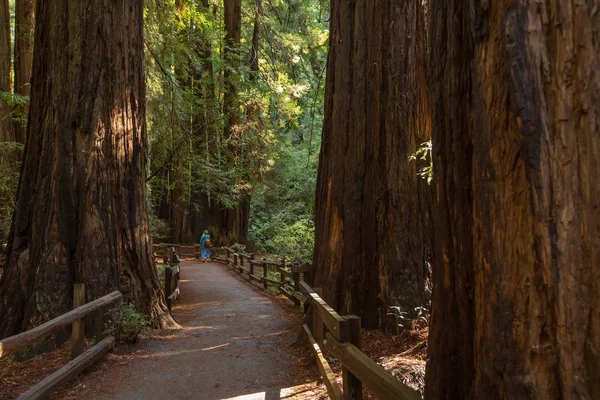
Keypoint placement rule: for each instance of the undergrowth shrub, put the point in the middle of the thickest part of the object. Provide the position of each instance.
(159, 228)
(126, 323)
(294, 241)
(238, 248)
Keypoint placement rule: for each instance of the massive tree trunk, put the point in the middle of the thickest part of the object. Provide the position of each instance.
(372, 215)
(517, 154)
(24, 32)
(81, 207)
(6, 134)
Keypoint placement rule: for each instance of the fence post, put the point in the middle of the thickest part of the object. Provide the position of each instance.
(352, 334)
(241, 263)
(165, 253)
(235, 260)
(296, 276)
(78, 330)
(317, 322)
(228, 254)
(251, 264)
(282, 275)
(265, 284)
(168, 286)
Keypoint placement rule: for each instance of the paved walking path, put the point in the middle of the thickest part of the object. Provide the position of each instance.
(234, 343)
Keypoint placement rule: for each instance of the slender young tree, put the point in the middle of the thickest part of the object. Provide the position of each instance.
(234, 220)
(81, 206)
(206, 211)
(6, 133)
(233, 28)
(372, 216)
(24, 31)
(516, 301)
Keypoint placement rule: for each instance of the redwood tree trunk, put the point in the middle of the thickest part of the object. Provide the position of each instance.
(24, 32)
(517, 154)
(372, 215)
(81, 206)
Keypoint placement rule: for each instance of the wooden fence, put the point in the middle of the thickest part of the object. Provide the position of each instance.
(79, 359)
(161, 249)
(268, 273)
(325, 328)
(172, 276)
(171, 258)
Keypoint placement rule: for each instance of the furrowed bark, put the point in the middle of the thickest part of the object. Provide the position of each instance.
(517, 149)
(372, 210)
(81, 206)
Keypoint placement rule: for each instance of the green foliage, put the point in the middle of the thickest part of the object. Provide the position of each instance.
(282, 213)
(238, 247)
(424, 153)
(159, 228)
(126, 323)
(295, 241)
(18, 104)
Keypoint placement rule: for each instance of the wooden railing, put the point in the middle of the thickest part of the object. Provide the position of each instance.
(161, 249)
(284, 278)
(171, 258)
(341, 336)
(79, 359)
(172, 276)
(325, 328)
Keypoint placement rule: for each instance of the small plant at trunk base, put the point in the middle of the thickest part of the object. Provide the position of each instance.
(126, 323)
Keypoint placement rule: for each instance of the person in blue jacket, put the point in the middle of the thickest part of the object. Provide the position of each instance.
(205, 243)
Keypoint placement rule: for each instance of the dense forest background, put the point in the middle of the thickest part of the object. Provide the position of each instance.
(252, 168)
(203, 167)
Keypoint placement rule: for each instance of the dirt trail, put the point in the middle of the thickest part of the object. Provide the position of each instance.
(234, 342)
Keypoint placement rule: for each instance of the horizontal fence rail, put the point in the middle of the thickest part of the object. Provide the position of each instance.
(161, 250)
(80, 359)
(20, 341)
(71, 369)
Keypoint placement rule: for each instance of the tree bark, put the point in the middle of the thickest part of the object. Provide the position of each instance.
(24, 33)
(517, 151)
(235, 221)
(81, 206)
(6, 133)
(373, 224)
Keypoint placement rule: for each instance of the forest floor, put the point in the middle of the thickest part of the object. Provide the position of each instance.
(236, 342)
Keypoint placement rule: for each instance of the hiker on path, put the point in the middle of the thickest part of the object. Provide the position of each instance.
(205, 243)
